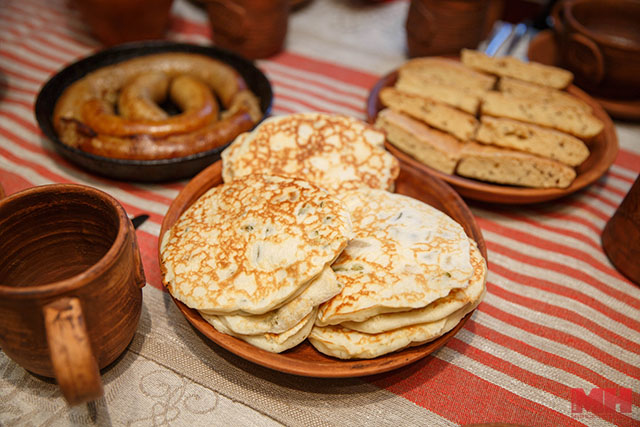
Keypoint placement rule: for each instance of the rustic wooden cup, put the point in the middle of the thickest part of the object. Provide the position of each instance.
(70, 284)
(120, 21)
(252, 28)
(621, 235)
(440, 27)
(599, 42)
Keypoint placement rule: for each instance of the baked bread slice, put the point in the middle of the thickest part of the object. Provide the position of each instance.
(522, 89)
(449, 72)
(574, 121)
(436, 114)
(511, 167)
(509, 66)
(532, 139)
(432, 147)
(410, 82)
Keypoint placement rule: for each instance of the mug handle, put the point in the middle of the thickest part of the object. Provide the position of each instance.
(74, 364)
(138, 270)
(585, 56)
(557, 15)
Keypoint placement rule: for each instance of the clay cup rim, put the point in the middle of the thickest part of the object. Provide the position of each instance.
(94, 271)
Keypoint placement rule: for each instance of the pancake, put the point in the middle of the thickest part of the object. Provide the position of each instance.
(249, 245)
(277, 321)
(437, 310)
(275, 343)
(335, 152)
(404, 255)
(344, 343)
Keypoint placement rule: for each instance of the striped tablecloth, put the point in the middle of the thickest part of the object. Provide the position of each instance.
(557, 316)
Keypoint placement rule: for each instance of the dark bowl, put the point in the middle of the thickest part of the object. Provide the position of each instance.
(142, 170)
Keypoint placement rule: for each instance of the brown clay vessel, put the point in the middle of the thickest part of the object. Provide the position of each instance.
(119, 21)
(252, 28)
(70, 284)
(621, 235)
(600, 43)
(438, 27)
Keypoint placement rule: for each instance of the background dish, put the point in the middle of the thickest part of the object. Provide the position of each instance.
(304, 359)
(142, 170)
(604, 150)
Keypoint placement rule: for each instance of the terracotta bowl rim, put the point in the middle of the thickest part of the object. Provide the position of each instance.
(91, 273)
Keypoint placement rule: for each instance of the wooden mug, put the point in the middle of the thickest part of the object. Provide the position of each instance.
(253, 28)
(120, 21)
(621, 235)
(441, 27)
(71, 283)
(600, 43)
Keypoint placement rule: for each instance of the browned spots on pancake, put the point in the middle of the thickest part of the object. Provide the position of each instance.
(249, 245)
(335, 152)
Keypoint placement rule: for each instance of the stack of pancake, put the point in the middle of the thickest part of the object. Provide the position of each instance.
(304, 240)
(253, 256)
(410, 275)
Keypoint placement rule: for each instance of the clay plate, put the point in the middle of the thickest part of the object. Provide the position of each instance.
(543, 48)
(142, 170)
(604, 150)
(304, 359)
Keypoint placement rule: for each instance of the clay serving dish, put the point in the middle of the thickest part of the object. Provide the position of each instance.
(304, 359)
(604, 149)
(142, 170)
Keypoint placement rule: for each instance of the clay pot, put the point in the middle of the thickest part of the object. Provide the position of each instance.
(600, 43)
(621, 235)
(251, 28)
(70, 284)
(119, 21)
(440, 27)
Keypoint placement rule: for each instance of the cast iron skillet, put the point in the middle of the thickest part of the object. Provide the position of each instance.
(142, 170)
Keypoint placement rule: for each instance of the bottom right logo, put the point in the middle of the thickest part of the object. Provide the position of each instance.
(601, 401)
